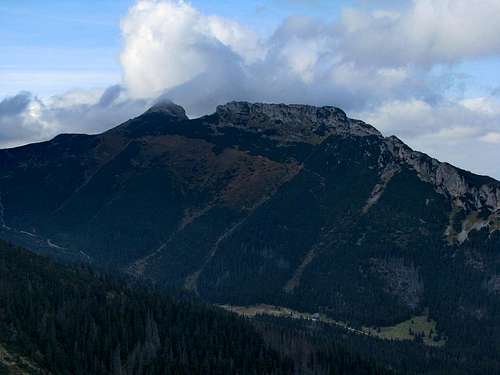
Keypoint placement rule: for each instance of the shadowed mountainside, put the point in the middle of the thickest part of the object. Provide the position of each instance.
(289, 205)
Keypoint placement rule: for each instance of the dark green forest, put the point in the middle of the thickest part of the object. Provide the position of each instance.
(73, 321)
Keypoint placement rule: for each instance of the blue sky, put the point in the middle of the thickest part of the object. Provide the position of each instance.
(38, 39)
(49, 46)
(80, 41)
(424, 70)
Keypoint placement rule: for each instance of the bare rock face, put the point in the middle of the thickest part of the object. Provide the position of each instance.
(305, 123)
(467, 190)
(292, 123)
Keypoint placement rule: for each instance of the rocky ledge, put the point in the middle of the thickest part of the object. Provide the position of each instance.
(305, 123)
(469, 191)
(292, 123)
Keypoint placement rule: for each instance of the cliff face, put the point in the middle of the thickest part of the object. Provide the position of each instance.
(262, 203)
(466, 189)
(292, 123)
(303, 123)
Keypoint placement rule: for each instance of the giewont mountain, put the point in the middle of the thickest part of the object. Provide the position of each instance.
(260, 203)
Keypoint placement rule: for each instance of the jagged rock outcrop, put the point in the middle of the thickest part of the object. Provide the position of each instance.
(305, 123)
(292, 123)
(467, 191)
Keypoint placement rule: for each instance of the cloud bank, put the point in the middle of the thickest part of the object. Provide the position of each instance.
(364, 58)
(25, 118)
(391, 66)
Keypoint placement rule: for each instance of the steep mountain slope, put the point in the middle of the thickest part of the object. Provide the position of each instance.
(260, 203)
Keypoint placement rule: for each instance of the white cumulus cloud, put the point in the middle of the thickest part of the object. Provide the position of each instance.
(425, 32)
(169, 43)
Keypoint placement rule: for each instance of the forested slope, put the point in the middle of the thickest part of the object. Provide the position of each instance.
(70, 321)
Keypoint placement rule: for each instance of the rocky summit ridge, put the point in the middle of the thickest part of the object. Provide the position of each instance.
(292, 123)
(306, 123)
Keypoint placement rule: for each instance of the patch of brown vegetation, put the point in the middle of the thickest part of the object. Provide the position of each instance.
(234, 177)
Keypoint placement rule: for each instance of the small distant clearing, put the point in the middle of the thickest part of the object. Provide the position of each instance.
(417, 328)
(411, 329)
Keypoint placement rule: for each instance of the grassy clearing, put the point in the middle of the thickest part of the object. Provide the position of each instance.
(418, 327)
(252, 311)
(284, 312)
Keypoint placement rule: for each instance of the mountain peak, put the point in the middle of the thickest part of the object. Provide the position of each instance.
(292, 122)
(287, 113)
(169, 108)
